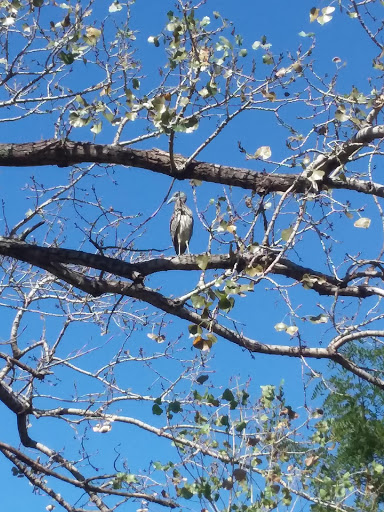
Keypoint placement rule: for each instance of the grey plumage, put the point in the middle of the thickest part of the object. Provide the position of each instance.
(181, 225)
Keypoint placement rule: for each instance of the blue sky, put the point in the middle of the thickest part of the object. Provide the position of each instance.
(135, 190)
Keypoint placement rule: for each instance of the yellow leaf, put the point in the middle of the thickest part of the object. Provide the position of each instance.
(253, 271)
(231, 228)
(264, 152)
(105, 91)
(311, 460)
(271, 96)
(158, 338)
(93, 32)
(202, 344)
(313, 14)
(286, 233)
(363, 222)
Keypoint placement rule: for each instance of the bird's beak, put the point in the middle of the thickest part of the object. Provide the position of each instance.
(172, 200)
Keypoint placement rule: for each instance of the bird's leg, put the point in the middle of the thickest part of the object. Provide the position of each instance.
(187, 244)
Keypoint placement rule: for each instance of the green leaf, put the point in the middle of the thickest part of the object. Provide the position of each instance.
(157, 410)
(191, 124)
(130, 479)
(225, 42)
(268, 391)
(202, 261)
(185, 493)
(319, 319)
(202, 379)
(96, 128)
(211, 338)
(253, 271)
(287, 497)
(109, 116)
(67, 58)
(241, 426)
(228, 395)
(306, 34)
(194, 329)
(340, 114)
(316, 175)
(267, 59)
(226, 304)
(77, 121)
(198, 302)
(224, 420)
(175, 407)
(377, 468)
(286, 233)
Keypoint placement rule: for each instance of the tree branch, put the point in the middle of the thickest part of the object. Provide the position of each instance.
(67, 153)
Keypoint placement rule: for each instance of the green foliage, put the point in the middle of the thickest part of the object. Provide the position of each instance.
(266, 453)
(355, 409)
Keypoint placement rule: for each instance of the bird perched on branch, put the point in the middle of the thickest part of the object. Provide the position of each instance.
(181, 225)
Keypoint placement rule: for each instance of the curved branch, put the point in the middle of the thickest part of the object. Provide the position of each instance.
(53, 260)
(328, 162)
(31, 474)
(83, 484)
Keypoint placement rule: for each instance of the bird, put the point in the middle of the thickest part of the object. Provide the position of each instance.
(181, 225)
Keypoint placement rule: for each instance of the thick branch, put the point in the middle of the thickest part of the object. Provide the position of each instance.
(16, 403)
(41, 256)
(328, 162)
(323, 284)
(67, 153)
(53, 260)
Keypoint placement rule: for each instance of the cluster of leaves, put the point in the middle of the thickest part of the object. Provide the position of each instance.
(256, 455)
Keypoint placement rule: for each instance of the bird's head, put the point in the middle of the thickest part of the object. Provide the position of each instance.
(178, 196)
